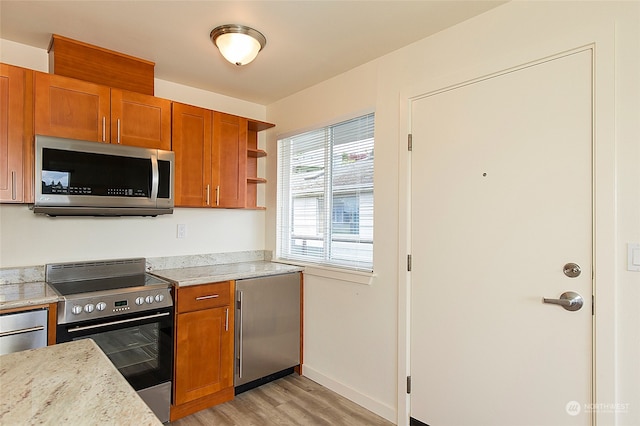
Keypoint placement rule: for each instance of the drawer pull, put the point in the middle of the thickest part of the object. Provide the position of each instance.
(212, 296)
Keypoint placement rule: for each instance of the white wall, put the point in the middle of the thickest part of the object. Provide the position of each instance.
(352, 330)
(27, 239)
(349, 328)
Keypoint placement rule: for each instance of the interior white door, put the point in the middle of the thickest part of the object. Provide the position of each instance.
(501, 196)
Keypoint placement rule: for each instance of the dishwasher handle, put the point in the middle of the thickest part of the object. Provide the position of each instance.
(239, 304)
(22, 331)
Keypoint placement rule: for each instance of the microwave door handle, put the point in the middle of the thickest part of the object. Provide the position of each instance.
(155, 178)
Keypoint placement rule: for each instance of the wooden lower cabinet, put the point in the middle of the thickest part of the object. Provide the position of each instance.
(203, 374)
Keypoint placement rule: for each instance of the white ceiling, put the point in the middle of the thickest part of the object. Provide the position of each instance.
(307, 41)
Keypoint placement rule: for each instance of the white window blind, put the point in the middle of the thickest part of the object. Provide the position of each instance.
(325, 195)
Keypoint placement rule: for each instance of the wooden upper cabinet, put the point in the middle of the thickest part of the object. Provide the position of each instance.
(191, 144)
(140, 120)
(211, 158)
(76, 109)
(16, 127)
(70, 108)
(230, 159)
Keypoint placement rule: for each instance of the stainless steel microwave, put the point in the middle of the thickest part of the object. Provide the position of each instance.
(79, 178)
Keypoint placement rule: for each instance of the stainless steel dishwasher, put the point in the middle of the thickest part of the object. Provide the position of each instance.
(267, 330)
(23, 330)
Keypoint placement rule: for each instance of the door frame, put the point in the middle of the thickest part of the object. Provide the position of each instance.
(603, 204)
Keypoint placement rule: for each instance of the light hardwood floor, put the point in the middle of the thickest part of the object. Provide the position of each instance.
(291, 400)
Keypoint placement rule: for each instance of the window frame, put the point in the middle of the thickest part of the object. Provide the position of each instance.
(285, 218)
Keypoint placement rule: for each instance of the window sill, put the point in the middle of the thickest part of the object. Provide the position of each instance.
(339, 274)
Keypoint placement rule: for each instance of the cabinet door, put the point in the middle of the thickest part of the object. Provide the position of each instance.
(230, 159)
(70, 108)
(140, 120)
(191, 143)
(204, 353)
(12, 132)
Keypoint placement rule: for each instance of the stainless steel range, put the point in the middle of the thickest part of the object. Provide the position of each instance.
(128, 313)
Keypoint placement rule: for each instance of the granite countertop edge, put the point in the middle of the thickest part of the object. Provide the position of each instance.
(25, 295)
(196, 275)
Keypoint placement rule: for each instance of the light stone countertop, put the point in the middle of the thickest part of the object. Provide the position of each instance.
(25, 294)
(69, 383)
(183, 277)
(21, 295)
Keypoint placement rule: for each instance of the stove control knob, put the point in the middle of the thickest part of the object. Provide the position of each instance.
(88, 308)
(159, 297)
(77, 309)
(149, 299)
(101, 306)
(139, 300)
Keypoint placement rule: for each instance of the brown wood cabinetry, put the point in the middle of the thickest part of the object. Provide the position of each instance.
(216, 158)
(191, 143)
(216, 153)
(140, 120)
(70, 108)
(204, 330)
(230, 159)
(253, 154)
(75, 59)
(75, 109)
(16, 134)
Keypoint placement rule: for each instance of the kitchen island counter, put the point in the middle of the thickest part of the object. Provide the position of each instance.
(69, 383)
(196, 275)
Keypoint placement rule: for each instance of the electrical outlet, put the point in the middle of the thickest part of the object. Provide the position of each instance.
(182, 231)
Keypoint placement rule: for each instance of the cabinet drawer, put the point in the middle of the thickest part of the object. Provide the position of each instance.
(204, 296)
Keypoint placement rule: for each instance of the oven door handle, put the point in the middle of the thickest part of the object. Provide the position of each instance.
(88, 327)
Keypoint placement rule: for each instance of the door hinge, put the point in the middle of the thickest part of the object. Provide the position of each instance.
(408, 384)
(410, 142)
(593, 305)
(409, 262)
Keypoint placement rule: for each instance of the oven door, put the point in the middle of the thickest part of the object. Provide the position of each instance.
(139, 345)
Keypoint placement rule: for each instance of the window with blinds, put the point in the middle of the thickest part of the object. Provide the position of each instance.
(325, 195)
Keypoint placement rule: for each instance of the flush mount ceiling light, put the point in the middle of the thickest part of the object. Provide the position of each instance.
(237, 43)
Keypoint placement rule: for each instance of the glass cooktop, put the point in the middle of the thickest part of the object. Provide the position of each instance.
(107, 284)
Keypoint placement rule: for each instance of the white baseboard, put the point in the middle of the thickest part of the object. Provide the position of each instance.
(359, 398)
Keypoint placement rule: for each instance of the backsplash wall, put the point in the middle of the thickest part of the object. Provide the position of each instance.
(27, 239)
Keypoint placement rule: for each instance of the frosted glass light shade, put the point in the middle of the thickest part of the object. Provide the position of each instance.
(237, 43)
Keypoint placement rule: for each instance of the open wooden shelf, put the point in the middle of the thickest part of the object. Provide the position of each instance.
(256, 153)
(258, 126)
